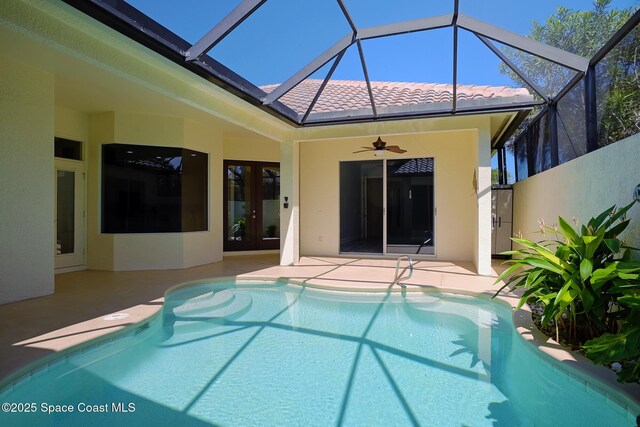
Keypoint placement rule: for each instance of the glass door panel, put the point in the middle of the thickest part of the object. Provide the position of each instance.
(69, 214)
(240, 214)
(252, 211)
(361, 206)
(410, 206)
(65, 227)
(269, 201)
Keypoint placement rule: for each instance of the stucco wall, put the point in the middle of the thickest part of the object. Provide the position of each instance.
(205, 247)
(455, 154)
(153, 250)
(72, 124)
(26, 182)
(482, 234)
(583, 187)
(262, 150)
(99, 246)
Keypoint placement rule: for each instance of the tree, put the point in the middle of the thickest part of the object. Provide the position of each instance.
(617, 75)
(580, 32)
(495, 177)
(618, 86)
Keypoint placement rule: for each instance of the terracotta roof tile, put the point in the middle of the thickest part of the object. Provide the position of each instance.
(344, 95)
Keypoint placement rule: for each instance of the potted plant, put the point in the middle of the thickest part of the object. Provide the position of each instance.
(239, 228)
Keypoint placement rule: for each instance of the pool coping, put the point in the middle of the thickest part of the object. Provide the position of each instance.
(595, 378)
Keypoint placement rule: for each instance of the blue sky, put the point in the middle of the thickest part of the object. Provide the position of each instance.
(282, 36)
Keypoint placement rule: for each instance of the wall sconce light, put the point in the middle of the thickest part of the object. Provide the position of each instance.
(286, 202)
(474, 182)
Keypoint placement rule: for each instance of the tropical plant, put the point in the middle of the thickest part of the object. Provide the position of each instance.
(580, 279)
(239, 228)
(623, 346)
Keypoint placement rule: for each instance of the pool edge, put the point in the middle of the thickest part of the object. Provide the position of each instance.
(594, 377)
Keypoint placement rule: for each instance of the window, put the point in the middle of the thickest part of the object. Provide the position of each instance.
(67, 149)
(147, 189)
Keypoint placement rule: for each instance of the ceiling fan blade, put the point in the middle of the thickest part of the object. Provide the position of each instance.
(395, 149)
(362, 151)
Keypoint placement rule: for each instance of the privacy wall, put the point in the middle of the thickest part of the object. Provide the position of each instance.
(581, 188)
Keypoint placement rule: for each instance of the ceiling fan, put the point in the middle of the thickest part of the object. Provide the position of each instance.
(379, 147)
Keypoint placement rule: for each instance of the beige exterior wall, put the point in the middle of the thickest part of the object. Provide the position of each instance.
(26, 182)
(455, 153)
(72, 124)
(100, 247)
(583, 187)
(153, 250)
(261, 150)
(205, 247)
(290, 216)
(482, 232)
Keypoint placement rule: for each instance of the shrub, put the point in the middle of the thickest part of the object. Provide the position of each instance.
(587, 284)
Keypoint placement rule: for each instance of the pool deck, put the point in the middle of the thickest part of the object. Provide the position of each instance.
(78, 310)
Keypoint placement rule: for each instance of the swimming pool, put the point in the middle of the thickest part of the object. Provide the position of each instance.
(248, 353)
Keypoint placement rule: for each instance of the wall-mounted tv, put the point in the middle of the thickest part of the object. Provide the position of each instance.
(149, 189)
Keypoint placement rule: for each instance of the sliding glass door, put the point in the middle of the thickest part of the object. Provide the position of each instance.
(387, 206)
(361, 206)
(410, 206)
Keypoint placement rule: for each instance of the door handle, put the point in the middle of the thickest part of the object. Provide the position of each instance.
(499, 221)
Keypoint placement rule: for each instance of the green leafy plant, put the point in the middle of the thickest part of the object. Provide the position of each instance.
(579, 278)
(588, 285)
(623, 346)
(239, 228)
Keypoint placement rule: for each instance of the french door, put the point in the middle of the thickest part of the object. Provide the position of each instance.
(252, 205)
(69, 214)
(387, 206)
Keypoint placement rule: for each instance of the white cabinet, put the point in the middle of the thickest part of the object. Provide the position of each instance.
(501, 219)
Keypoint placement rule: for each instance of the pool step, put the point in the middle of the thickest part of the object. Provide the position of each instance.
(424, 300)
(201, 315)
(203, 302)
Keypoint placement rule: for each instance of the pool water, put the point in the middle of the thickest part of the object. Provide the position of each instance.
(278, 354)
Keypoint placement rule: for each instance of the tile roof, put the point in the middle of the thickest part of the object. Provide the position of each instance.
(415, 166)
(344, 95)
